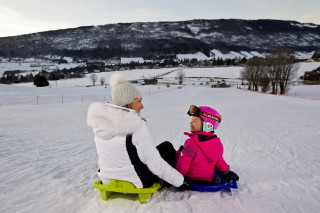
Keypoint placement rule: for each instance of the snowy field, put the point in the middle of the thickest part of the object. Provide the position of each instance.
(49, 161)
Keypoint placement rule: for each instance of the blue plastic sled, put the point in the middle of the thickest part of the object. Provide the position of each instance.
(218, 184)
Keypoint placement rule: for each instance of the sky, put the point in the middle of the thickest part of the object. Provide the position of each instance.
(19, 17)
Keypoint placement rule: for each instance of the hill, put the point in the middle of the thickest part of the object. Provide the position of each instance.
(165, 39)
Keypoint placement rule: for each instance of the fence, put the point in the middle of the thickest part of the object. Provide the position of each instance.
(71, 98)
(64, 98)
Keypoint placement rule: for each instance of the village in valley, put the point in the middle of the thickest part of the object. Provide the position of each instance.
(20, 70)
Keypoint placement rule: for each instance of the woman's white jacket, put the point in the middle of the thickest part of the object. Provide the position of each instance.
(111, 125)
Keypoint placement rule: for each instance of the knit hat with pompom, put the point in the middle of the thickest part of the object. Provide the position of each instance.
(122, 92)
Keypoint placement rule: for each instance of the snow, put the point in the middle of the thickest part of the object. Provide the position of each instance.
(218, 54)
(194, 29)
(128, 60)
(304, 25)
(198, 56)
(49, 161)
(304, 55)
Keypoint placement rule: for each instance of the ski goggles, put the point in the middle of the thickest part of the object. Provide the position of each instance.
(195, 111)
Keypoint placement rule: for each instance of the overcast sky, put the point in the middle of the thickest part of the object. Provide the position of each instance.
(28, 16)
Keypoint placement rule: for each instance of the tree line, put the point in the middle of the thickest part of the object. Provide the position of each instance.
(277, 69)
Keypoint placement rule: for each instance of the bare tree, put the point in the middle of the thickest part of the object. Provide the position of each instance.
(281, 69)
(181, 74)
(102, 80)
(93, 78)
(245, 76)
(271, 71)
(315, 55)
(253, 72)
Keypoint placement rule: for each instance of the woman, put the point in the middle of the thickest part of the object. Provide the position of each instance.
(123, 141)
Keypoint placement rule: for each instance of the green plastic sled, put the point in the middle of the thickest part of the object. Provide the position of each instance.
(126, 188)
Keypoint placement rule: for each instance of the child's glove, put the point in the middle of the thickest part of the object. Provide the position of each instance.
(228, 175)
(186, 185)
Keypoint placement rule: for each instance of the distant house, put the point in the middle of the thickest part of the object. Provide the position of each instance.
(134, 81)
(312, 76)
(11, 72)
(95, 63)
(35, 65)
(222, 84)
(60, 61)
(152, 81)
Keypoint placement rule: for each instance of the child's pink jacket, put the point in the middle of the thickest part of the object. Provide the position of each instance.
(201, 153)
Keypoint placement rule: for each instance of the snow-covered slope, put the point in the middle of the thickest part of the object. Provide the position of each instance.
(49, 161)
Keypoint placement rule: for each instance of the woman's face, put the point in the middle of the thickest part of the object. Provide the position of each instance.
(137, 105)
(195, 124)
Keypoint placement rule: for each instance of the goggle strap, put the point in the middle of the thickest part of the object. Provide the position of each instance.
(207, 115)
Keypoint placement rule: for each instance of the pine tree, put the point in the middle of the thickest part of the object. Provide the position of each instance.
(40, 81)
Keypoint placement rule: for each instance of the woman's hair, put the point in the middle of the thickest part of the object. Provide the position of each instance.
(128, 106)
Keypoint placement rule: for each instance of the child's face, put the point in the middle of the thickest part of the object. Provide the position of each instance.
(195, 124)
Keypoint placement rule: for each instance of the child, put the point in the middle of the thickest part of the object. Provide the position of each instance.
(203, 151)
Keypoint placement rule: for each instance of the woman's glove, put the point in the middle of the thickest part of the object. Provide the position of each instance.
(186, 185)
(228, 175)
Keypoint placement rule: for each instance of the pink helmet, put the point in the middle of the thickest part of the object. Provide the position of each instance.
(211, 117)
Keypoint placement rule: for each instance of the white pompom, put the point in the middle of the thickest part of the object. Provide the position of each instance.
(117, 79)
